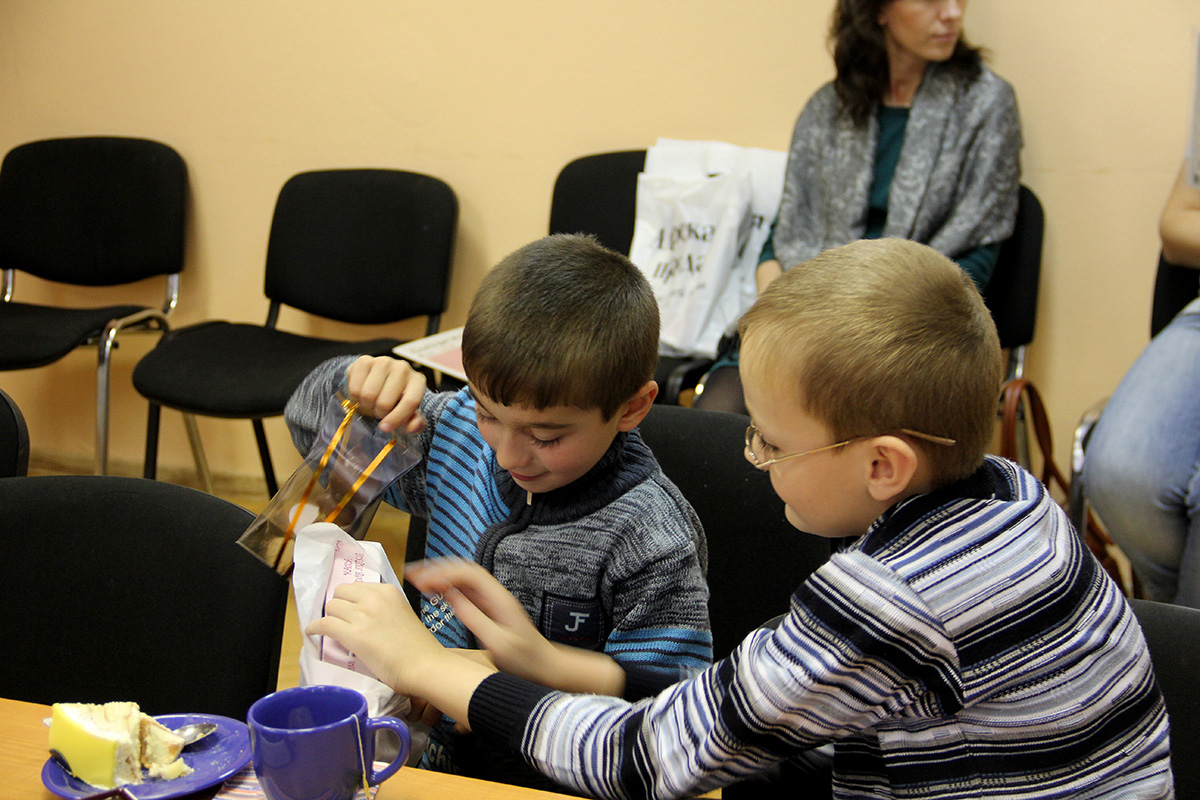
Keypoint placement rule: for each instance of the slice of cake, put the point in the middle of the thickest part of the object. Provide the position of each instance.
(107, 745)
(101, 743)
(160, 745)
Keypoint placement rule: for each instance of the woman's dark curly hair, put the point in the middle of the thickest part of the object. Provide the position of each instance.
(860, 55)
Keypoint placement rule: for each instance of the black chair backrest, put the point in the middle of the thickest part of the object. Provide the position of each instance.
(93, 210)
(1173, 636)
(1012, 293)
(132, 589)
(14, 439)
(597, 194)
(756, 559)
(1174, 288)
(364, 246)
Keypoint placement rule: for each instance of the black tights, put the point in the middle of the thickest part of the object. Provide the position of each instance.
(722, 391)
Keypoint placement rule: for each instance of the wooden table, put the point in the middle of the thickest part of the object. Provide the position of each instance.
(23, 751)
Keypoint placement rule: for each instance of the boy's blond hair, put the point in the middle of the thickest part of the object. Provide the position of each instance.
(562, 321)
(882, 335)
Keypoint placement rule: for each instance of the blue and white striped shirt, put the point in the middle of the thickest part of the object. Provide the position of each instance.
(968, 646)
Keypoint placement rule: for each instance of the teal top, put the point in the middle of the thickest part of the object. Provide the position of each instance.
(978, 262)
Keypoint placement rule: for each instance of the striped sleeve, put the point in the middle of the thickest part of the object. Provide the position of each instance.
(975, 650)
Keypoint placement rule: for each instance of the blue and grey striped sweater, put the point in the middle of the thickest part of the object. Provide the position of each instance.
(614, 561)
(968, 646)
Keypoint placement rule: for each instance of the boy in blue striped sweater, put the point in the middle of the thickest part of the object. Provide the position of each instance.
(964, 644)
(535, 471)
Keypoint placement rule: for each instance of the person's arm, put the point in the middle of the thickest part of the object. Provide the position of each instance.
(376, 623)
(780, 693)
(504, 630)
(767, 271)
(305, 409)
(385, 388)
(389, 390)
(768, 268)
(657, 596)
(1179, 226)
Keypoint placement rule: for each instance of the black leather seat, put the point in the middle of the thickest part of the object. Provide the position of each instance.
(756, 559)
(131, 589)
(88, 211)
(14, 439)
(360, 246)
(1173, 636)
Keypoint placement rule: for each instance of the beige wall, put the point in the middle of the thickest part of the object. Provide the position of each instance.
(494, 97)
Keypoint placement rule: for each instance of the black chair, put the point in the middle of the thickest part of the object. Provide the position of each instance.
(1012, 293)
(362, 246)
(88, 211)
(1172, 634)
(756, 559)
(1011, 296)
(1174, 288)
(130, 589)
(14, 439)
(597, 194)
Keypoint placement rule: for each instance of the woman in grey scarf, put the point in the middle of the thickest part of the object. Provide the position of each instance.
(915, 138)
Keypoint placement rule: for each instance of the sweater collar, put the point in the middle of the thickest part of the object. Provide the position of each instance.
(992, 481)
(626, 463)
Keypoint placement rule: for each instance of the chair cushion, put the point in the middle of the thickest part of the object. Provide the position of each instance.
(36, 335)
(125, 588)
(236, 370)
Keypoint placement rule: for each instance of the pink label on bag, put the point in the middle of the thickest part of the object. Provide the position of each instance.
(349, 566)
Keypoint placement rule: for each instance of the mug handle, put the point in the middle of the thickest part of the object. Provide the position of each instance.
(401, 730)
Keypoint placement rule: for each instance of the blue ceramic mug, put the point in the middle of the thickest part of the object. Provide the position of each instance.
(318, 743)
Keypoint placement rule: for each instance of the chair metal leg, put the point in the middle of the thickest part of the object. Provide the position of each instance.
(264, 453)
(104, 350)
(150, 465)
(1077, 504)
(1016, 369)
(193, 433)
(1016, 362)
(107, 342)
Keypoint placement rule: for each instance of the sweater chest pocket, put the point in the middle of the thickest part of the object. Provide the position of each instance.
(576, 621)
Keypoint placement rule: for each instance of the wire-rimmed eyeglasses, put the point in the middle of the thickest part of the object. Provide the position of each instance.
(754, 443)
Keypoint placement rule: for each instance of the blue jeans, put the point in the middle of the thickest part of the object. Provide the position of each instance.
(1142, 469)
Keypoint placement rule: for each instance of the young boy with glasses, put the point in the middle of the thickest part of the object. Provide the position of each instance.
(535, 472)
(963, 643)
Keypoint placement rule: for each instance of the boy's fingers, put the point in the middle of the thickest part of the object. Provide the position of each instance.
(443, 574)
(478, 622)
(389, 390)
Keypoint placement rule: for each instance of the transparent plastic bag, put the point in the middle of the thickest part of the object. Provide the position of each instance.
(341, 481)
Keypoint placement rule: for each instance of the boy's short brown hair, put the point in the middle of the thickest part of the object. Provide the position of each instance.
(562, 321)
(881, 335)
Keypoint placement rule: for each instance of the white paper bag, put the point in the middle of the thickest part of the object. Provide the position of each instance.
(313, 561)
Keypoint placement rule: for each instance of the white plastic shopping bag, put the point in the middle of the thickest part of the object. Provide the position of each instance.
(325, 557)
(697, 163)
(686, 239)
(766, 169)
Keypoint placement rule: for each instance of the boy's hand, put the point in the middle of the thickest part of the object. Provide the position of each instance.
(496, 618)
(501, 625)
(375, 622)
(389, 390)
